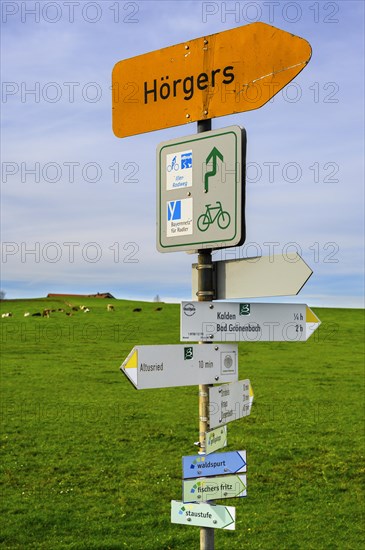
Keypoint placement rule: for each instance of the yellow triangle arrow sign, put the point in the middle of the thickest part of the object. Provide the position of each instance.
(311, 322)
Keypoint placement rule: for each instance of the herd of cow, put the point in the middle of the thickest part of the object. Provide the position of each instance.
(73, 309)
(47, 312)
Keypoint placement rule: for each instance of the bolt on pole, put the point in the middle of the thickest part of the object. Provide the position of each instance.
(205, 294)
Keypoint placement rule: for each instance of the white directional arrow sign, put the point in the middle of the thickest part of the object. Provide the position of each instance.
(276, 275)
(246, 322)
(203, 515)
(229, 402)
(211, 488)
(179, 365)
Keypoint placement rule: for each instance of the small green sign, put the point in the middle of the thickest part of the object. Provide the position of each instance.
(215, 439)
(204, 489)
(245, 309)
(188, 352)
(203, 515)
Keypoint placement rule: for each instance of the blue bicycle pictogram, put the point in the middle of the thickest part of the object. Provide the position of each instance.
(212, 214)
(173, 166)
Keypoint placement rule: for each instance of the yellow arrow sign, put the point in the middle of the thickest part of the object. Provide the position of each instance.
(230, 72)
(311, 322)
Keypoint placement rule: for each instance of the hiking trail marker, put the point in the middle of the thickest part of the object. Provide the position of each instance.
(180, 365)
(203, 515)
(233, 462)
(229, 402)
(201, 190)
(246, 322)
(216, 439)
(211, 488)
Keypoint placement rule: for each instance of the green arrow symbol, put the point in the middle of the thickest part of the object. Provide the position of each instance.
(213, 155)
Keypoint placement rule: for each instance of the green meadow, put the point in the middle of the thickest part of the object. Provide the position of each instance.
(88, 462)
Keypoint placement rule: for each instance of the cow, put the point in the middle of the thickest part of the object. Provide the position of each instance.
(137, 309)
(46, 313)
(36, 315)
(26, 314)
(110, 307)
(86, 310)
(9, 314)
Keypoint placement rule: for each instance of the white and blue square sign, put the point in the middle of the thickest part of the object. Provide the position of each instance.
(173, 210)
(179, 217)
(179, 170)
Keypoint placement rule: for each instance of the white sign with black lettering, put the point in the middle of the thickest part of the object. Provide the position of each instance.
(229, 402)
(246, 322)
(169, 366)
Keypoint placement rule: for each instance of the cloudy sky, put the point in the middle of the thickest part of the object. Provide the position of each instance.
(78, 203)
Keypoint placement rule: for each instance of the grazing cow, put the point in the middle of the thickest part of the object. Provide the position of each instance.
(26, 314)
(62, 310)
(36, 315)
(158, 309)
(69, 314)
(46, 313)
(86, 310)
(110, 307)
(137, 309)
(9, 314)
(75, 309)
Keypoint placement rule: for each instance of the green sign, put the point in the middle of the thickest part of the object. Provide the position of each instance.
(215, 439)
(201, 190)
(188, 353)
(203, 489)
(203, 515)
(245, 309)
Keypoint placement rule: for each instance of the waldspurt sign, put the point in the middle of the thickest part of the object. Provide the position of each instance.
(230, 72)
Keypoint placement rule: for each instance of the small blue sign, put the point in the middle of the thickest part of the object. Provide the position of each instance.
(173, 210)
(214, 464)
(187, 160)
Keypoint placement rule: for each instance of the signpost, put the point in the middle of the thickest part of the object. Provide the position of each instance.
(247, 322)
(178, 365)
(233, 462)
(229, 402)
(203, 515)
(233, 71)
(276, 275)
(201, 191)
(203, 489)
(200, 204)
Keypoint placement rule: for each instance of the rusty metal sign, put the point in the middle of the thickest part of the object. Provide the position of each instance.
(230, 72)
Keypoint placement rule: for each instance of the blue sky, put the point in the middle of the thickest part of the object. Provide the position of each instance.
(78, 204)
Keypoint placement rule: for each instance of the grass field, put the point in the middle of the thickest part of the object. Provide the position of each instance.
(88, 462)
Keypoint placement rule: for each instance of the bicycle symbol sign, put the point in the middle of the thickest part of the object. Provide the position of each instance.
(201, 191)
(214, 214)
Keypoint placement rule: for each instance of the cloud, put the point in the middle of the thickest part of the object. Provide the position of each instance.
(67, 179)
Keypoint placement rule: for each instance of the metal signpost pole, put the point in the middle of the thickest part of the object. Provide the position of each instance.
(205, 294)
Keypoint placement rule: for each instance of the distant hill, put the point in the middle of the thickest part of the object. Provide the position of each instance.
(98, 295)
